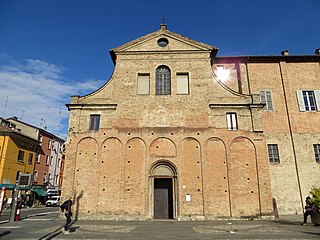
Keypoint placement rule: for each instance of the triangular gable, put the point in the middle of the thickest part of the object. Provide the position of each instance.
(177, 42)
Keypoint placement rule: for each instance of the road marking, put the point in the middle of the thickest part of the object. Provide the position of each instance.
(10, 227)
(37, 219)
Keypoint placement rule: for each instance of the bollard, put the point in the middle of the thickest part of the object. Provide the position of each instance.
(18, 212)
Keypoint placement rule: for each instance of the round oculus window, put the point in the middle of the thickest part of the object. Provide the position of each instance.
(163, 42)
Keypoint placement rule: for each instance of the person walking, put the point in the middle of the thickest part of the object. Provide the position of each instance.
(66, 206)
(308, 212)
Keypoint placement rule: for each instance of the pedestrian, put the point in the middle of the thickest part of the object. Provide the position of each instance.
(308, 210)
(66, 206)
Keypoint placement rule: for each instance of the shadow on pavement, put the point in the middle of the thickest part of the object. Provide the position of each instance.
(52, 234)
(4, 233)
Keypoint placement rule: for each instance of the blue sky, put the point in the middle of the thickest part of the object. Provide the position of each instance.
(50, 50)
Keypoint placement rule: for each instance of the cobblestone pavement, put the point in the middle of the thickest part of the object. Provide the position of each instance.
(49, 227)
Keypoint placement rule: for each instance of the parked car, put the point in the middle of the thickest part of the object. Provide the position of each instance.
(53, 201)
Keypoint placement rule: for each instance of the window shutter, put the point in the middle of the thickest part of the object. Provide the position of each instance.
(262, 97)
(269, 101)
(300, 101)
(317, 96)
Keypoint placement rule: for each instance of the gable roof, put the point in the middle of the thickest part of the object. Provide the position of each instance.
(132, 46)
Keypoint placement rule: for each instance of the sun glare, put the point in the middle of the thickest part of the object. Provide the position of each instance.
(222, 74)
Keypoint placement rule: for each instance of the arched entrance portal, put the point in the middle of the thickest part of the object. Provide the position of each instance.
(163, 191)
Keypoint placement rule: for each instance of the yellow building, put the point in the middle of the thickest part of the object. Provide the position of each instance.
(17, 155)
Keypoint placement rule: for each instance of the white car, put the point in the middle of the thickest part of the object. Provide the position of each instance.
(53, 201)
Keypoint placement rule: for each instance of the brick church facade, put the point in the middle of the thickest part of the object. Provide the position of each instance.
(179, 133)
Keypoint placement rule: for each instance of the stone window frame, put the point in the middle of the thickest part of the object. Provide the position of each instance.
(316, 148)
(273, 153)
(308, 100)
(232, 121)
(142, 79)
(187, 78)
(94, 122)
(163, 80)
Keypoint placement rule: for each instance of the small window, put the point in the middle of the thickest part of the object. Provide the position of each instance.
(144, 83)
(17, 175)
(266, 98)
(273, 153)
(163, 42)
(309, 101)
(51, 160)
(38, 157)
(232, 123)
(163, 81)
(94, 122)
(316, 148)
(20, 156)
(182, 83)
(30, 158)
(40, 139)
(35, 176)
(44, 179)
(49, 144)
(56, 179)
(47, 160)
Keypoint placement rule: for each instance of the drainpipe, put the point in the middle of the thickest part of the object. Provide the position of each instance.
(291, 136)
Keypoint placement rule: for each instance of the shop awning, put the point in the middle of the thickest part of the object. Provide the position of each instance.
(39, 191)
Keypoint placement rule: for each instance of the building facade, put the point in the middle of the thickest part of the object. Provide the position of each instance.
(17, 155)
(179, 133)
(48, 157)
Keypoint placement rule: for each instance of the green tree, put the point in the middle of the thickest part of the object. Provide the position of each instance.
(316, 196)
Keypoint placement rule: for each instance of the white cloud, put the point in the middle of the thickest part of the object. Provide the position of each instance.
(36, 92)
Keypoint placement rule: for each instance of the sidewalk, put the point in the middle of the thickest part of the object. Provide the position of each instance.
(288, 227)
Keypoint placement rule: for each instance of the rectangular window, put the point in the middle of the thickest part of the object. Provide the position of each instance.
(47, 160)
(40, 139)
(35, 176)
(51, 160)
(144, 83)
(182, 83)
(232, 121)
(20, 156)
(44, 180)
(17, 175)
(273, 153)
(38, 157)
(56, 180)
(30, 158)
(49, 144)
(316, 148)
(94, 122)
(266, 98)
(309, 101)
(163, 81)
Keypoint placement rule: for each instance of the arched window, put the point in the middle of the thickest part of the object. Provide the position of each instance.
(163, 81)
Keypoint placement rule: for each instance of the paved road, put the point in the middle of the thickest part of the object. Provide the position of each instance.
(48, 227)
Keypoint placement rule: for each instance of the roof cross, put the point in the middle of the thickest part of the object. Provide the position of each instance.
(163, 19)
